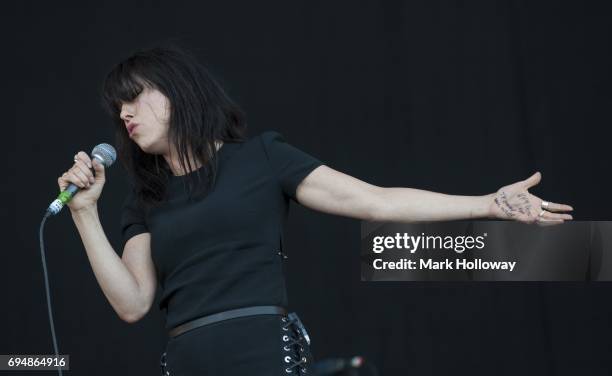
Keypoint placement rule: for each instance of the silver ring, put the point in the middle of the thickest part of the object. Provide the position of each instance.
(545, 204)
(542, 213)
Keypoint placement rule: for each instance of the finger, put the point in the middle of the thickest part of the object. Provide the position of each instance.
(85, 170)
(548, 222)
(544, 218)
(79, 177)
(532, 180)
(99, 168)
(81, 155)
(549, 215)
(61, 181)
(75, 179)
(69, 178)
(554, 207)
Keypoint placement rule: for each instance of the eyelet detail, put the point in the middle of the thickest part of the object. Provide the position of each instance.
(163, 363)
(294, 339)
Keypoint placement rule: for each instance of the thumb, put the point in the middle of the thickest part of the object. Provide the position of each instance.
(532, 180)
(99, 169)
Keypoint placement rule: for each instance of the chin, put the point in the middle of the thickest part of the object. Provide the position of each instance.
(144, 147)
(150, 148)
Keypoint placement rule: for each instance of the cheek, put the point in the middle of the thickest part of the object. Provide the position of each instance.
(162, 120)
(161, 106)
(161, 130)
(155, 121)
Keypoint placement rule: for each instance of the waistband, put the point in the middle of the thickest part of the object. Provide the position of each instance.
(226, 315)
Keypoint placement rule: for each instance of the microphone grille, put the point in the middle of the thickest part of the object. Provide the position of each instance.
(105, 153)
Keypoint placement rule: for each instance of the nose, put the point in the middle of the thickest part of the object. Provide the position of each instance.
(126, 112)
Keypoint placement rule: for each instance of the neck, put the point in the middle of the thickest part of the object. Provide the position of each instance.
(172, 159)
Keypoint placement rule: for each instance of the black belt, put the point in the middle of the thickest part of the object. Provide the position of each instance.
(226, 315)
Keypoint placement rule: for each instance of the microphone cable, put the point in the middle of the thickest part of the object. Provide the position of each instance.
(47, 289)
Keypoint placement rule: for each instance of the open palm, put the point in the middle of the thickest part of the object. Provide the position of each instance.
(515, 202)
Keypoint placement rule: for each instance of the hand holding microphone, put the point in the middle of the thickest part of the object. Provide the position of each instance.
(81, 177)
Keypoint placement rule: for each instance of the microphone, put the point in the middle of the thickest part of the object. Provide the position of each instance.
(105, 154)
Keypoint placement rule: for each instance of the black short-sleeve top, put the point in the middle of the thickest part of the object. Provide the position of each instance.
(221, 252)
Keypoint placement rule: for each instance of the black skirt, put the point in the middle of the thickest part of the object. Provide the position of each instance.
(252, 345)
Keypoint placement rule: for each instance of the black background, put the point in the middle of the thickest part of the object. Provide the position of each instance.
(459, 97)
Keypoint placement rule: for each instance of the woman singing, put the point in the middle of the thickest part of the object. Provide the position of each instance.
(205, 216)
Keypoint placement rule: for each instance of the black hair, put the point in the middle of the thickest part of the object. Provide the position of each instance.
(201, 112)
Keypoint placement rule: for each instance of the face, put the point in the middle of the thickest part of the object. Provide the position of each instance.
(146, 119)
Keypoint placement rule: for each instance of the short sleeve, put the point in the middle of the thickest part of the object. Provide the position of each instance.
(290, 164)
(132, 218)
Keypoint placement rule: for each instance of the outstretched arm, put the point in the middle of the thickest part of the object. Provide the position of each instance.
(334, 192)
